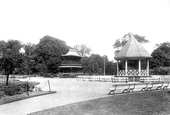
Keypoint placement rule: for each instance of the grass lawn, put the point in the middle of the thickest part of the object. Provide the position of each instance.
(147, 103)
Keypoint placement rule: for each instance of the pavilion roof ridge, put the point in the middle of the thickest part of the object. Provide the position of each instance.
(132, 50)
(72, 52)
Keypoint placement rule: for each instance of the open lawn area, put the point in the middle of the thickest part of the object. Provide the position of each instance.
(147, 103)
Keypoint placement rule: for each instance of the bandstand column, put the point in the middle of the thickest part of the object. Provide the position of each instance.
(117, 67)
(126, 66)
(139, 67)
(147, 66)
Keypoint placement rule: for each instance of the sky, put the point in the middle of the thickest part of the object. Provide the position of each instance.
(95, 23)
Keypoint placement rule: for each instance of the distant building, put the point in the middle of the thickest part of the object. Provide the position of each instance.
(71, 63)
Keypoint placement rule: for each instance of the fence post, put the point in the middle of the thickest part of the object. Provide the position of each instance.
(49, 85)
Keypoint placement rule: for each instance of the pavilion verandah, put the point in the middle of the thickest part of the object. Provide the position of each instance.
(130, 71)
(130, 53)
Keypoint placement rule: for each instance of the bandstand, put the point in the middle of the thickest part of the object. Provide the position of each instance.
(71, 63)
(133, 51)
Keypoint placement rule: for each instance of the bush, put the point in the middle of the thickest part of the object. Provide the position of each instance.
(11, 90)
(68, 75)
(161, 71)
(50, 75)
(27, 86)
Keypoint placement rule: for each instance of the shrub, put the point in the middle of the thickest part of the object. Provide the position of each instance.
(68, 75)
(161, 71)
(11, 90)
(47, 75)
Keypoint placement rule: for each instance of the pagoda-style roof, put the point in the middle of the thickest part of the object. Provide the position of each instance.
(132, 50)
(72, 52)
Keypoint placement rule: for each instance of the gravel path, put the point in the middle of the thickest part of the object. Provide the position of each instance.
(68, 91)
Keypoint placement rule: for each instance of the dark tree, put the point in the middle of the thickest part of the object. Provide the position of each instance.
(161, 55)
(10, 57)
(48, 54)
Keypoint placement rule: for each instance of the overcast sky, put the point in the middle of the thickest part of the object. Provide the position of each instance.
(95, 23)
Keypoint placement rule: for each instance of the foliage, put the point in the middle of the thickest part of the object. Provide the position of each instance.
(111, 68)
(161, 55)
(119, 43)
(100, 62)
(90, 66)
(18, 88)
(68, 75)
(82, 50)
(161, 71)
(10, 56)
(48, 54)
(95, 65)
(11, 90)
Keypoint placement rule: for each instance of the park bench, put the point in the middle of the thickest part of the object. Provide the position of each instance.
(129, 88)
(144, 88)
(160, 86)
(112, 89)
(165, 85)
(149, 87)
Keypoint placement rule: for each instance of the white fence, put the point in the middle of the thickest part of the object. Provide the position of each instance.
(103, 78)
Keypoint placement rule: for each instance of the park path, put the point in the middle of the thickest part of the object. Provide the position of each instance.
(68, 91)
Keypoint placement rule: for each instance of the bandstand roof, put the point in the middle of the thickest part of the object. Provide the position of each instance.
(72, 52)
(132, 50)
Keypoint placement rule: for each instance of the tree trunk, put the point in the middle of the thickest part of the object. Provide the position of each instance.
(7, 79)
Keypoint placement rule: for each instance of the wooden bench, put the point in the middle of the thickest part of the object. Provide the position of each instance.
(130, 88)
(112, 89)
(165, 85)
(149, 87)
(160, 86)
(144, 88)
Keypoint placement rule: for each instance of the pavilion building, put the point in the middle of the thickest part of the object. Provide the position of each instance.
(135, 61)
(71, 63)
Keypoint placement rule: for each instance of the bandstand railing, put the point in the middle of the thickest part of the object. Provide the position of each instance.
(132, 73)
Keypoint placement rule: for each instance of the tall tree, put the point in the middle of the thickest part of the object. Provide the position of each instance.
(161, 55)
(10, 57)
(48, 53)
(82, 50)
(89, 64)
(100, 62)
(29, 61)
(119, 43)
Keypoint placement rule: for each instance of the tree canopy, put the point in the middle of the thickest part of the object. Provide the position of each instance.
(10, 56)
(48, 53)
(161, 55)
(82, 50)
